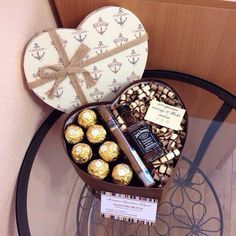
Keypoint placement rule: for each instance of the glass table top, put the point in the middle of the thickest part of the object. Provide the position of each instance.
(201, 203)
(59, 203)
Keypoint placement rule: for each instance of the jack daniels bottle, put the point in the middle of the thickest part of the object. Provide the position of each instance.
(141, 136)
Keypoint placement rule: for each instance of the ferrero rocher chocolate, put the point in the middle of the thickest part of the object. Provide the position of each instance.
(122, 174)
(98, 169)
(74, 134)
(109, 151)
(96, 134)
(81, 153)
(87, 118)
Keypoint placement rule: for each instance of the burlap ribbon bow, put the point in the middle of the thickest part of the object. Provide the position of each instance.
(70, 68)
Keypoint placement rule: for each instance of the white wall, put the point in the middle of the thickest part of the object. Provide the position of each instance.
(21, 111)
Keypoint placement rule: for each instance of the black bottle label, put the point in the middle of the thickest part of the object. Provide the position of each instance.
(145, 140)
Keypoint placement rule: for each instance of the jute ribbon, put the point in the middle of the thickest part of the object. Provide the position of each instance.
(70, 68)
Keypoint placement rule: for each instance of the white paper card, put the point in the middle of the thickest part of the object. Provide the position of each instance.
(165, 115)
(128, 208)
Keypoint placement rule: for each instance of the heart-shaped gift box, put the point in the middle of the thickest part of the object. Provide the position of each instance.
(67, 68)
(162, 168)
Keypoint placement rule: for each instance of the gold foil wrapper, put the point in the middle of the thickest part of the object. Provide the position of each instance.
(98, 169)
(74, 134)
(96, 134)
(87, 118)
(81, 153)
(122, 174)
(109, 151)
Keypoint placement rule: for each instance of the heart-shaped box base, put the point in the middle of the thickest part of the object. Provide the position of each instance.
(136, 187)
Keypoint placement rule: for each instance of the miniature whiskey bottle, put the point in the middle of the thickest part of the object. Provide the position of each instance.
(143, 139)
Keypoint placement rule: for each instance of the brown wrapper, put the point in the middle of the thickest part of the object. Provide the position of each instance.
(109, 151)
(96, 134)
(122, 174)
(98, 169)
(81, 153)
(87, 118)
(73, 134)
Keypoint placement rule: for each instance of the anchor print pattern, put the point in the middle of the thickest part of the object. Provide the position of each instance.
(59, 61)
(114, 66)
(121, 17)
(100, 26)
(97, 95)
(76, 103)
(133, 58)
(138, 31)
(58, 93)
(96, 73)
(115, 86)
(80, 35)
(37, 52)
(103, 32)
(120, 40)
(100, 48)
(35, 76)
(133, 77)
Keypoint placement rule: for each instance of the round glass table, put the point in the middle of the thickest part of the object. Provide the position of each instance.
(51, 199)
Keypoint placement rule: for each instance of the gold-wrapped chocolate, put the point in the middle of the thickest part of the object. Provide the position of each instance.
(122, 174)
(87, 117)
(96, 134)
(81, 153)
(109, 151)
(98, 169)
(74, 134)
